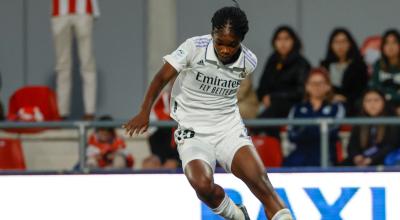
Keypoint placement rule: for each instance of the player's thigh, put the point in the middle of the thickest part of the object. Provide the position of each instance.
(230, 143)
(195, 149)
(248, 167)
(246, 164)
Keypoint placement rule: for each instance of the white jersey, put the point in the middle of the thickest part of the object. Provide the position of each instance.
(203, 97)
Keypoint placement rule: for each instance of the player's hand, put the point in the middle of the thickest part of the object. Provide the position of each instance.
(138, 124)
(266, 101)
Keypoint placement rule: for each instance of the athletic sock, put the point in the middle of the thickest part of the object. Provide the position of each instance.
(229, 210)
(283, 214)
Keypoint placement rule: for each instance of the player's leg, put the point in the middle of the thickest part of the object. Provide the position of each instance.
(200, 176)
(237, 154)
(198, 161)
(247, 166)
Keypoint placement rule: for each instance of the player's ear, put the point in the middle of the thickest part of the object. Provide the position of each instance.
(213, 31)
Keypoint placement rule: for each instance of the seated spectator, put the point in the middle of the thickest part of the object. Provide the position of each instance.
(164, 154)
(346, 66)
(369, 144)
(107, 150)
(317, 104)
(371, 51)
(387, 70)
(282, 83)
(247, 99)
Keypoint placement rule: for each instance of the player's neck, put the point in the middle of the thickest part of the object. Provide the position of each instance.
(234, 57)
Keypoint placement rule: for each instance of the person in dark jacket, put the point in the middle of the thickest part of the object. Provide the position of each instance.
(282, 83)
(346, 66)
(317, 104)
(386, 76)
(369, 144)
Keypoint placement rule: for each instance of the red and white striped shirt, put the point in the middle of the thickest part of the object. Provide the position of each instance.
(67, 7)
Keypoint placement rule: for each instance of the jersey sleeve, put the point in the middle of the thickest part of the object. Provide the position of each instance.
(250, 61)
(180, 58)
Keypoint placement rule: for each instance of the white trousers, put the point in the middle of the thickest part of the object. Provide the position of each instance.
(64, 29)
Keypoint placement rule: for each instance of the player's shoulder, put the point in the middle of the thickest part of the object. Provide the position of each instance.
(200, 41)
(250, 59)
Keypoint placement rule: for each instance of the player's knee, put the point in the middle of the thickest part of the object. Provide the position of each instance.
(203, 186)
(262, 184)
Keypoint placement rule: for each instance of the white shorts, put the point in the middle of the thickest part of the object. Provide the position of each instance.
(211, 147)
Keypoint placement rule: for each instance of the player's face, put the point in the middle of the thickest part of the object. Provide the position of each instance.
(317, 87)
(226, 45)
(391, 47)
(340, 45)
(373, 104)
(283, 43)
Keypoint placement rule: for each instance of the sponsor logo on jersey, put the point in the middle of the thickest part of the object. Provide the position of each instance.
(217, 86)
(216, 81)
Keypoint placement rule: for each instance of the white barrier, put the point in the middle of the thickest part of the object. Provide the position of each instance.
(311, 196)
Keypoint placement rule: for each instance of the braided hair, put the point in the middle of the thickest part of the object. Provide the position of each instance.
(233, 18)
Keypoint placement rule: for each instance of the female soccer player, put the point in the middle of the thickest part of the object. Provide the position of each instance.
(203, 102)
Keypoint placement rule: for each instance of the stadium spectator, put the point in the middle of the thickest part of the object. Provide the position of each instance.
(74, 18)
(318, 103)
(282, 83)
(371, 51)
(107, 150)
(247, 99)
(369, 144)
(346, 66)
(164, 154)
(386, 76)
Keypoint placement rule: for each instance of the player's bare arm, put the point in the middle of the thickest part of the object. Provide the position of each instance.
(139, 123)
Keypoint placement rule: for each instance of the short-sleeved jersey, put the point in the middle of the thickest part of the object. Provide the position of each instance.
(203, 96)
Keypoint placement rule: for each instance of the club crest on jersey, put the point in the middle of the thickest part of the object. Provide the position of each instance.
(242, 75)
(179, 53)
